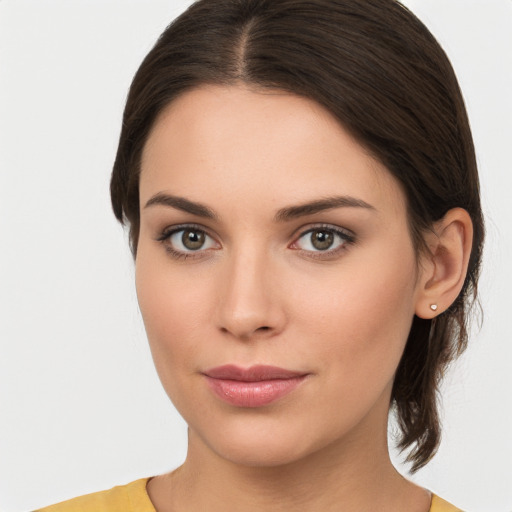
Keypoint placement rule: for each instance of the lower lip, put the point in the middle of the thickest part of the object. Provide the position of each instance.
(253, 394)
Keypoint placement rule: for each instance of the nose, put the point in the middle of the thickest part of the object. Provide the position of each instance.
(249, 305)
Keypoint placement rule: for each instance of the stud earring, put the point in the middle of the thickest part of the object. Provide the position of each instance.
(433, 307)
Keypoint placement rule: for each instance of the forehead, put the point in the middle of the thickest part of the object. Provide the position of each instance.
(268, 145)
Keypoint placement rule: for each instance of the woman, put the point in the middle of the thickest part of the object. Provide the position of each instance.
(301, 190)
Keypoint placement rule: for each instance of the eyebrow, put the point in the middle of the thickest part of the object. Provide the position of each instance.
(320, 205)
(283, 215)
(180, 203)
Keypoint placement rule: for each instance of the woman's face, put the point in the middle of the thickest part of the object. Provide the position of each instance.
(270, 238)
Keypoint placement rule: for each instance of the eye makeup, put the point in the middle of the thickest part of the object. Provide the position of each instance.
(192, 241)
(187, 241)
(324, 241)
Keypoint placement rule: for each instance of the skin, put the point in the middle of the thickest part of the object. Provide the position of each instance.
(258, 292)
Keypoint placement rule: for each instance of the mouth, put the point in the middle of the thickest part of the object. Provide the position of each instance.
(256, 386)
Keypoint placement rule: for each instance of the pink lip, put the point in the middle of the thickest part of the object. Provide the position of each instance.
(252, 387)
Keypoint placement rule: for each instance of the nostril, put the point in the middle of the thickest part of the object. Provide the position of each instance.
(263, 328)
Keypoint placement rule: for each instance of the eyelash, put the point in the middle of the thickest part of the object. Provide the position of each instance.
(347, 239)
(167, 233)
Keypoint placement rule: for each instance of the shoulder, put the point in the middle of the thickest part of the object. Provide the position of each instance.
(128, 498)
(440, 505)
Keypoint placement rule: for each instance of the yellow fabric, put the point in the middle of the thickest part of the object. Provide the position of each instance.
(126, 498)
(134, 498)
(439, 505)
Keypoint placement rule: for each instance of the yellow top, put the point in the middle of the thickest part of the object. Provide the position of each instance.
(134, 498)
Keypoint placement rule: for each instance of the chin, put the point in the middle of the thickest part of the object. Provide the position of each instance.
(255, 443)
(260, 454)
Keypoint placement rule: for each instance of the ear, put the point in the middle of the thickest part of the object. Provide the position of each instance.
(444, 267)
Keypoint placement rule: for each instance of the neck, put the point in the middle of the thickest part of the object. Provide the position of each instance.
(317, 482)
(353, 474)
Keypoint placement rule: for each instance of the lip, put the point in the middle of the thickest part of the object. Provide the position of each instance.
(256, 386)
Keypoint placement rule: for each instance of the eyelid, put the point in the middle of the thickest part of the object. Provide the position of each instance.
(348, 237)
(303, 230)
(166, 234)
(169, 230)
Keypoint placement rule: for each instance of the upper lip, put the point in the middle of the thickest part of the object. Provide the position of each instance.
(252, 374)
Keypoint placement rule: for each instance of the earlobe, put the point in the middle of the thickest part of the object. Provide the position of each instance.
(444, 268)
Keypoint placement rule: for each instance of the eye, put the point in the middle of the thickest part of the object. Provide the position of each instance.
(183, 242)
(323, 240)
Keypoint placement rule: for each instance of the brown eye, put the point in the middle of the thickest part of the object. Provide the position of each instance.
(187, 240)
(192, 239)
(321, 239)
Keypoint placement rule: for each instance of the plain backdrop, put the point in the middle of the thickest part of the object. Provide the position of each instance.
(81, 408)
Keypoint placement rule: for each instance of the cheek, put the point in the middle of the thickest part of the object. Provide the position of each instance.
(362, 313)
(173, 310)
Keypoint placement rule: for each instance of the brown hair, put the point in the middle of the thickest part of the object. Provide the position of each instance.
(382, 74)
